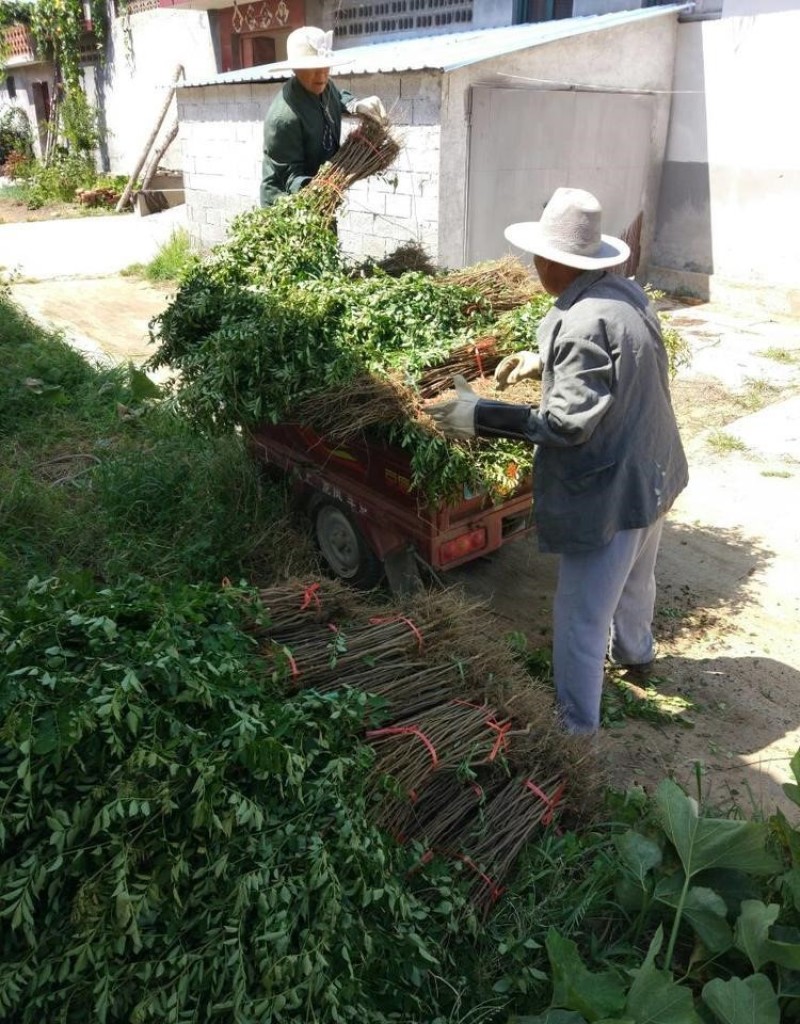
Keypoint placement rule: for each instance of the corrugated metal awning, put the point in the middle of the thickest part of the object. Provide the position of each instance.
(449, 52)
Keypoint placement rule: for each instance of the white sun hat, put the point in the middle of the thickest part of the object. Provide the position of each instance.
(569, 233)
(308, 48)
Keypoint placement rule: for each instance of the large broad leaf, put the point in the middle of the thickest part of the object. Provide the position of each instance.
(790, 788)
(639, 855)
(550, 1017)
(790, 887)
(704, 843)
(754, 939)
(655, 998)
(576, 988)
(743, 1000)
(704, 909)
(752, 930)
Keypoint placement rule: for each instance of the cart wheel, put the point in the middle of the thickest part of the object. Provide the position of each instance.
(343, 546)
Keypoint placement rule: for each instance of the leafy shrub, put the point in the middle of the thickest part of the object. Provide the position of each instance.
(16, 137)
(180, 842)
(60, 180)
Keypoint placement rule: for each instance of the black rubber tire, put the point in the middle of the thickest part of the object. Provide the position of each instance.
(342, 545)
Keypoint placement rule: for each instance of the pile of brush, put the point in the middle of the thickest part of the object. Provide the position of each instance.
(273, 327)
(468, 762)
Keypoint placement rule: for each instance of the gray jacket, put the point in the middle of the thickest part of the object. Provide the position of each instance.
(609, 454)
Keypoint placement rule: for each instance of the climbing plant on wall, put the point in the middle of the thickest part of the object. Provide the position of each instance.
(59, 27)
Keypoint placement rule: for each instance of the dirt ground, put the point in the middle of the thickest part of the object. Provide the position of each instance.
(723, 713)
(14, 211)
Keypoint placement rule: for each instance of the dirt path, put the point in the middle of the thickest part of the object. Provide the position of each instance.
(728, 612)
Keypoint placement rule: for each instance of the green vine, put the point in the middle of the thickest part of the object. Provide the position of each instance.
(59, 29)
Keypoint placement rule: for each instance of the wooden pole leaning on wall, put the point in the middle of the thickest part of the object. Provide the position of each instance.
(124, 199)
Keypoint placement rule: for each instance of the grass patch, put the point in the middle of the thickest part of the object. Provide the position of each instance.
(782, 474)
(97, 475)
(781, 355)
(757, 394)
(173, 258)
(723, 443)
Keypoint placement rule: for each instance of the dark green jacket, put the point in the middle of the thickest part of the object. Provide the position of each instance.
(301, 132)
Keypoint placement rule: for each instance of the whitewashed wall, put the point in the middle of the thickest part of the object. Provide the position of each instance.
(144, 50)
(730, 199)
(221, 138)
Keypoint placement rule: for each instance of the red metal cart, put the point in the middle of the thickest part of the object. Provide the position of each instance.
(368, 520)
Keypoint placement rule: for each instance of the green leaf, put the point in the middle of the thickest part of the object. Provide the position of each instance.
(754, 939)
(704, 843)
(595, 995)
(743, 1000)
(752, 930)
(639, 854)
(550, 1017)
(703, 908)
(654, 997)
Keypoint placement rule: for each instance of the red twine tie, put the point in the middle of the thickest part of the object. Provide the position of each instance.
(406, 730)
(381, 621)
(551, 802)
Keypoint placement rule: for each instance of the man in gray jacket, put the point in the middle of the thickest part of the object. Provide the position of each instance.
(609, 461)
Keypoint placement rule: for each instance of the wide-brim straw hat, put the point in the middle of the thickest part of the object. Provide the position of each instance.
(569, 233)
(309, 48)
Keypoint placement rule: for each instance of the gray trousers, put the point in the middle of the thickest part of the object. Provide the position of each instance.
(604, 604)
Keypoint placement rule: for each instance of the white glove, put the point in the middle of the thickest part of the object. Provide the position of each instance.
(370, 107)
(517, 367)
(456, 418)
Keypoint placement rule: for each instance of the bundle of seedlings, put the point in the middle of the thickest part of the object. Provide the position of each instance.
(271, 328)
(505, 283)
(468, 762)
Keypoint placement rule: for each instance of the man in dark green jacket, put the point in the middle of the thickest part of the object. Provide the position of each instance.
(304, 122)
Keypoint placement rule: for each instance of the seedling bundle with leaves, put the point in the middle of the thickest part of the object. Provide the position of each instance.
(273, 327)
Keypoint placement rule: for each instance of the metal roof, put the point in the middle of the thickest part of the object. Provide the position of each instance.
(449, 52)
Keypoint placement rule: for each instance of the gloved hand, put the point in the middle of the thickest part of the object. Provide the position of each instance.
(517, 367)
(370, 106)
(456, 418)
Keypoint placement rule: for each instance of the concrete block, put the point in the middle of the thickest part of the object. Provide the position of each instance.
(420, 86)
(399, 111)
(425, 112)
(398, 206)
(425, 210)
(361, 222)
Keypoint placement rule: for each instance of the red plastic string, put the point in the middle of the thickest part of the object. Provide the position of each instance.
(406, 730)
(550, 801)
(495, 890)
(293, 664)
(310, 594)
(380, 621)
(500, 727)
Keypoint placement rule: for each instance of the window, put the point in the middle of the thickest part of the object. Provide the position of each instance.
(252, 49)
(11, 87)
(547, 10)
(356, 20)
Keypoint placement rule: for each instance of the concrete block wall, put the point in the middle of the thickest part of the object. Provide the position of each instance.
(401, 206)
(221, 141)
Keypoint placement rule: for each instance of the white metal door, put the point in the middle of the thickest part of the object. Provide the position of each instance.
(525, 143)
